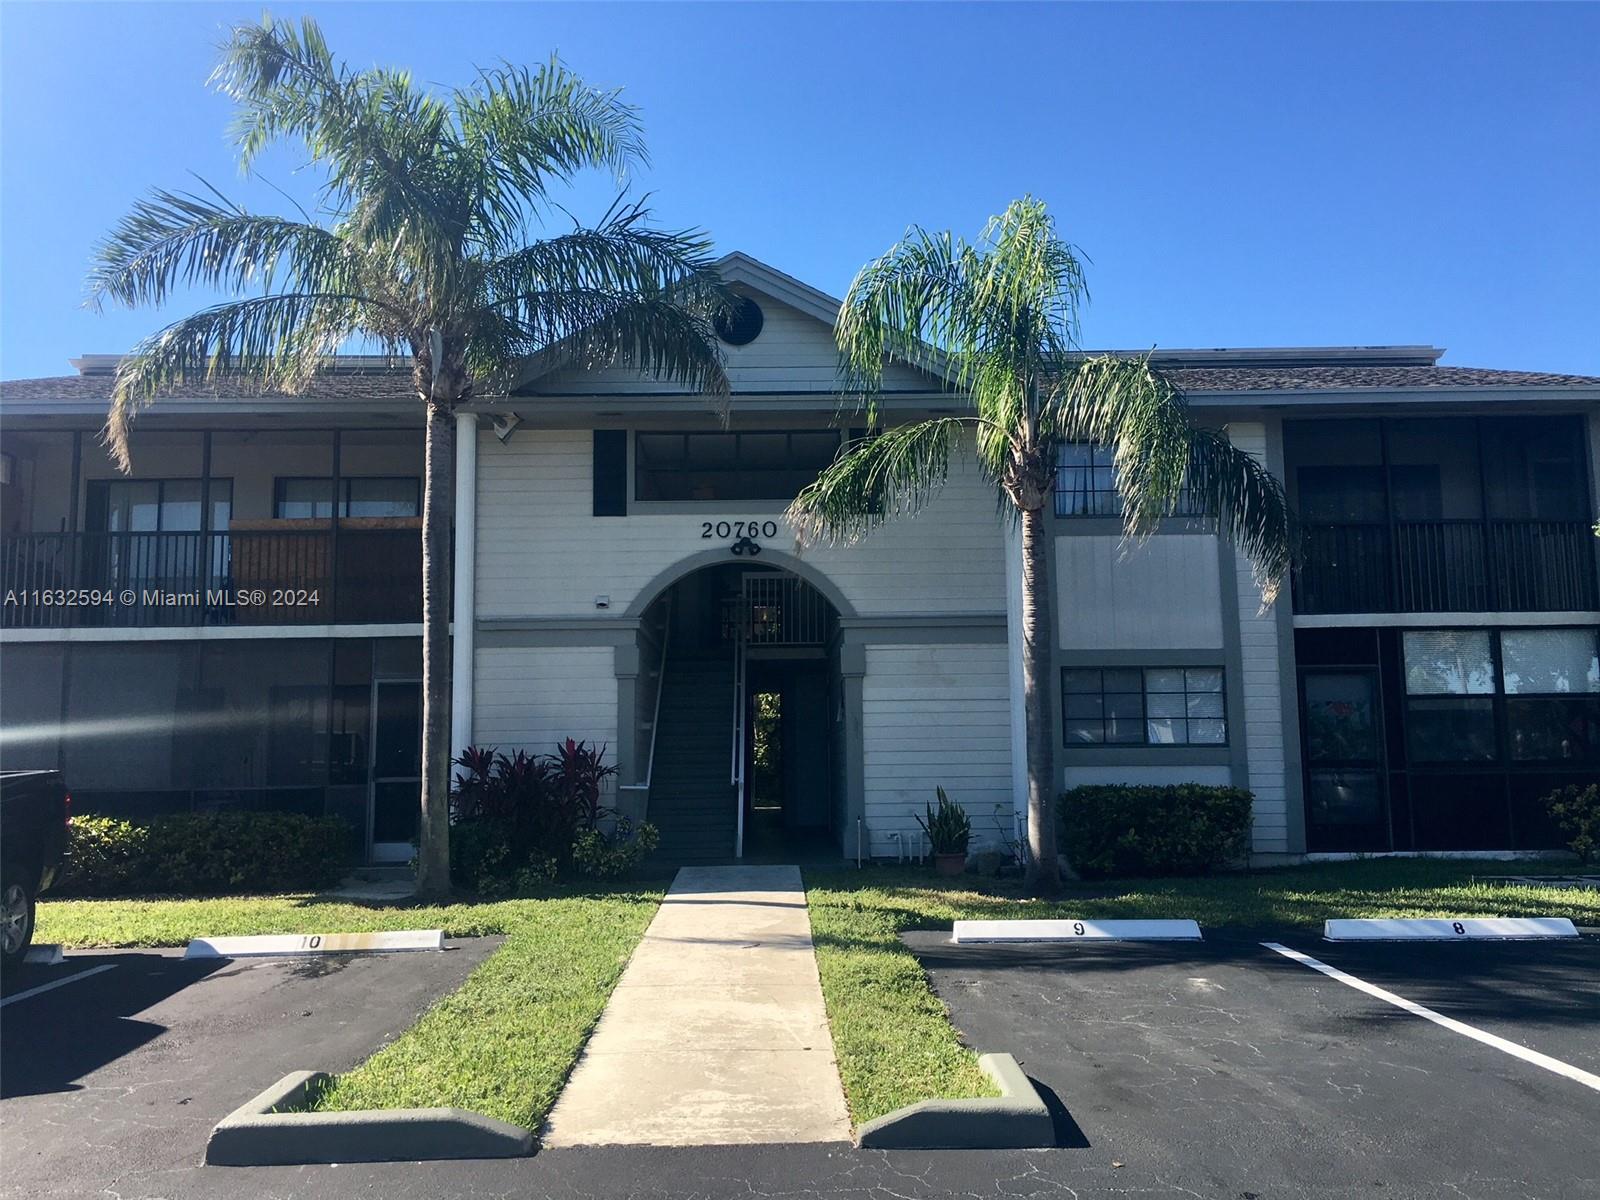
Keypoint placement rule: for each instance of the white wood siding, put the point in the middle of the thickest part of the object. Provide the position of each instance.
(794, 354)
(1261, 723)
(932, 716)
(529, 698)
(1160, 595)
(541, 552)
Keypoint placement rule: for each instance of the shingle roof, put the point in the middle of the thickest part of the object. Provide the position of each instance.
(366, 386)
(1269, 378)
(379, 385)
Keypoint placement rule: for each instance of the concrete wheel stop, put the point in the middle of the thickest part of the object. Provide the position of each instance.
(259, 1133)
(1017, 1120)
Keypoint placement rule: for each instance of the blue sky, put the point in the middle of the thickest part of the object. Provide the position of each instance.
(1238, 174)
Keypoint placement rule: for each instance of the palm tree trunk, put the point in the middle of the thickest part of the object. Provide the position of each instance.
(1043, 870)
(438, 510)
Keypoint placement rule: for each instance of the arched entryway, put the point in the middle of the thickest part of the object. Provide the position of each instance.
(739, 748)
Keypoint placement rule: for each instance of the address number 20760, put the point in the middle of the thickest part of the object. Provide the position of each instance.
(738, 529)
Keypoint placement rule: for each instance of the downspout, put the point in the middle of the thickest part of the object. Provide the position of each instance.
(464, 629)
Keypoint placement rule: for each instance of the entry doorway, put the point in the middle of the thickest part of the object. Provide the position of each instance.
(1343, 734)
(395, 797)
(788, 796)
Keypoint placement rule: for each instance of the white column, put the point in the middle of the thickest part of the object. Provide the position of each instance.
(465, 627)
(1019, 711)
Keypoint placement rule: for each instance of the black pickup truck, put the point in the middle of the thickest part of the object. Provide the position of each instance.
(34, 810)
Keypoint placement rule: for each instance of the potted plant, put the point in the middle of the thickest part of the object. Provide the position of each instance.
(948, 832)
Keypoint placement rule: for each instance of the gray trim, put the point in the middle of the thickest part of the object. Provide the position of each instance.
(207, 633)
(852, 671)
(1147, 756)
(719, 555)
(1431, 394)
(402, 413)
(1058, 617)
(1233, 662)
(1215, 656)
(489, 624)
(558, 631)
(626, 661)
(1442, 620)
(1294, 791)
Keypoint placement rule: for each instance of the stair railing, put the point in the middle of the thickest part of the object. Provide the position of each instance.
(655, 715)
(738, 736)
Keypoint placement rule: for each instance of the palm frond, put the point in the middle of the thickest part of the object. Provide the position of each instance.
(919, 296)
(620, 252)
(520, 129)
(178, 238)
(1249, 504)
(268, 342)
(877, 478)
(377, 135)
(1160, 455)
(658, 333)
(1122, 402)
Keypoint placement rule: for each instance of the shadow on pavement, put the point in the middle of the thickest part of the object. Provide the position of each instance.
(50, 1041)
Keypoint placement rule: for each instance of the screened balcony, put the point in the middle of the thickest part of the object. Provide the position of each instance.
(283, 528)
(1486, 514)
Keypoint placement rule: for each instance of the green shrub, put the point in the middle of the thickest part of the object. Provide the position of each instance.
(1183, 829)
(1576, 812)
(520, 820)
(104, 856)
(949, 830)
(595, 855)
(483, 861)
(205, 854)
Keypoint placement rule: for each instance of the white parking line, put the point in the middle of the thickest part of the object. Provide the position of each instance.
(54, 984)
(1571, 1072)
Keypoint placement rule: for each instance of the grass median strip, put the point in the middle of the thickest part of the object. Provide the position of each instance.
(893, 1036)
(502, 1044)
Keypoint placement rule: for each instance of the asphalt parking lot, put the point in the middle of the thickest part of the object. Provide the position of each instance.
(111, 1080)
(1220, 1070)
(1226, 1069)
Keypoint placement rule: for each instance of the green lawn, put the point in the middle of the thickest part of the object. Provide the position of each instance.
(892, 1036)
(502, 1044)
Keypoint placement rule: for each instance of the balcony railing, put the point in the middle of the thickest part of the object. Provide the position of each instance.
(360, 573)
(778, 610)
(1446, 566)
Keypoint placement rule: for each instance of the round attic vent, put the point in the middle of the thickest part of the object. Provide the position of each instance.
(743, 324)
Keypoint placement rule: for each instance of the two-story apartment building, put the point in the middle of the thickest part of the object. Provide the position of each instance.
(237, 622)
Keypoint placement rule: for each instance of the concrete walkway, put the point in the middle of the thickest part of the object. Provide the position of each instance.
(716, 1033)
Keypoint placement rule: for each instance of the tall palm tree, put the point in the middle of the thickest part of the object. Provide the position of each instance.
(999, 321)
(423, 245)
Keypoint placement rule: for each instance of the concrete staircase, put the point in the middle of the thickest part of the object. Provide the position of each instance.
(691, 798)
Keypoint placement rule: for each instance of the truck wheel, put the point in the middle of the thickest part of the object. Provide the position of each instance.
(16, 918)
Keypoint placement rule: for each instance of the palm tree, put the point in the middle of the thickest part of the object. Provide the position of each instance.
(999, 322)
(422, 245)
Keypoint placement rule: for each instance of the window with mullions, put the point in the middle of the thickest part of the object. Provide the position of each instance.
(1552, 686)
(766, 465)
(1148, 706)
(1545, 681)
(1086, 484)
(360, 496)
